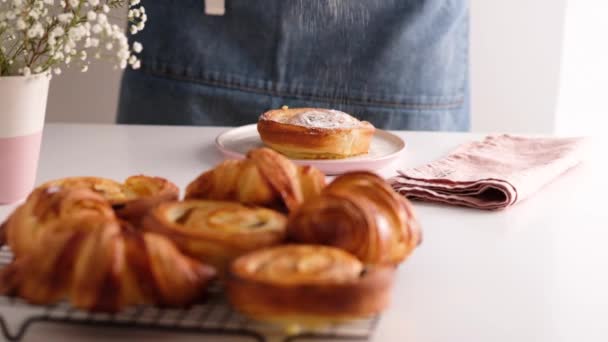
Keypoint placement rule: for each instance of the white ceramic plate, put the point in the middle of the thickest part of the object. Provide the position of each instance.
(384, 149)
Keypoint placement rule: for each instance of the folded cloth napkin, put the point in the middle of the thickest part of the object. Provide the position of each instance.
(494, 173)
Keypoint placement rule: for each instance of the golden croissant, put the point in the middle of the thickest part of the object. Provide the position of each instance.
(265, 178)
(132, 199)
(69, 245)
(360, 213)
(217, 232)
(307, 285)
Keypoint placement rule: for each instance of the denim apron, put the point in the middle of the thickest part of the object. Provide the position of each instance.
(400, 64)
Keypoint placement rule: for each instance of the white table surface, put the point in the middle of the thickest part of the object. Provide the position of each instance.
(535, 272)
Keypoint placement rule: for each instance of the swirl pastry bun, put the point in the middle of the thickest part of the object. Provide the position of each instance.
(69, 245)
(217, 232)
(131, 199)
(360, 213)
(307, 285)
(315, 133)
(265, 178)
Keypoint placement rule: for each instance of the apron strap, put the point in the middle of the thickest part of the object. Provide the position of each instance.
(215, 7)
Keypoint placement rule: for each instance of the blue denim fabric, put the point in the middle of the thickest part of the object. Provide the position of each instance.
(400, 64)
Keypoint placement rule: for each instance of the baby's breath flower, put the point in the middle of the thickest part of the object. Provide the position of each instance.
(45, 34)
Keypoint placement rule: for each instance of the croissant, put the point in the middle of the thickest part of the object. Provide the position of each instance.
(80, 251)
(265, 178)
(217, 232)
(132, 199)
(360, 213)
(307, 285)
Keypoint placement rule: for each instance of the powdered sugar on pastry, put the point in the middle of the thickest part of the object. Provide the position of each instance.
(322, 119)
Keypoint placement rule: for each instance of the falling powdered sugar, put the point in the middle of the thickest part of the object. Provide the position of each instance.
(323, 119)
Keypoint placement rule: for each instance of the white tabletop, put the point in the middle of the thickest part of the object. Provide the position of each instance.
(535, 272)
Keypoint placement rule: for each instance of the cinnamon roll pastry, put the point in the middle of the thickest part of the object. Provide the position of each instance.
(68, 244)
(131, 199)
(360, 213)
(307, 285)
(217, 232)
(315, 133)
(265, 178)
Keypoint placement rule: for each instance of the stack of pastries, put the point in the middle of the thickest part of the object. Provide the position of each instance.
(286, 247)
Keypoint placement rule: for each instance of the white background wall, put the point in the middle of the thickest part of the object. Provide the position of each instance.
(515, 49)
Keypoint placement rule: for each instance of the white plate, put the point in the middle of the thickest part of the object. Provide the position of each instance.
(384, 149)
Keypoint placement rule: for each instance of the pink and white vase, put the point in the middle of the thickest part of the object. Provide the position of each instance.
(22, 110)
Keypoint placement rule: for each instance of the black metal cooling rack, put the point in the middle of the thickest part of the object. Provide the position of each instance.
(212, 317)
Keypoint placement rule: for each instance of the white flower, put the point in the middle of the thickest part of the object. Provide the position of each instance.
(136, 65)
(21, 25)
(26, 71)
(91, 15)
(38, 70)
(109, 46)
(84, 68)
(102, 18)
(57, 71)
(134, 2)
(94, 2)
(35, 31)
(105, 8)
(65, 18)
(73, 3)
(137, 47)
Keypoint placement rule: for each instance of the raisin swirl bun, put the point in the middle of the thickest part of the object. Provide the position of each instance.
(360, 213)
(307, 285)
(315, 133)
(265, 178)
(217, 232)
(132, 199)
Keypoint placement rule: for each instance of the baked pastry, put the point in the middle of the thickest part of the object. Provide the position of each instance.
(217, 232)
(360, 213)
(44, 207)
(265, 178)
(307, 285)
(131, 199)
(68, 246)
(315, 133)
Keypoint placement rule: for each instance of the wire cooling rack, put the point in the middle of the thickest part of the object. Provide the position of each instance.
(214, 316)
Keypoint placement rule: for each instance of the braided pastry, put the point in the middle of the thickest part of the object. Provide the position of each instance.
(360, 213)
(132, 199)
(307, 285)
(69, 245)
(217, 232)
(265, 178)
(45, 206)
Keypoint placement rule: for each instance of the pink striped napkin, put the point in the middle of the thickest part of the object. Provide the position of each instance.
(494, 173)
